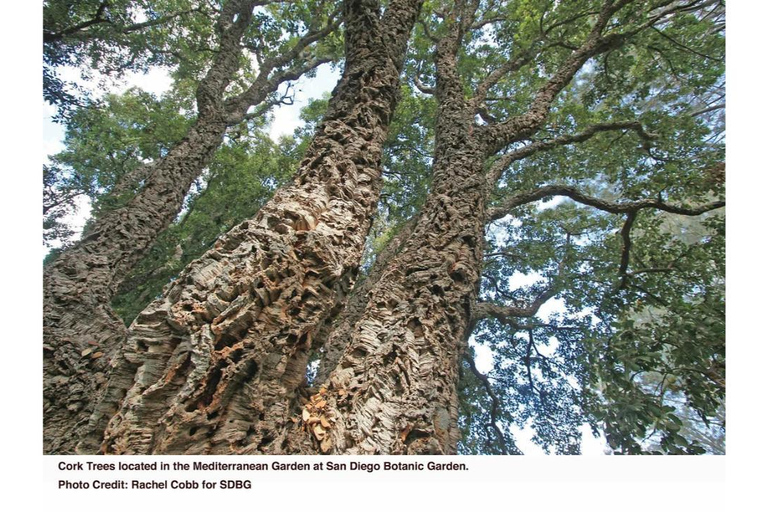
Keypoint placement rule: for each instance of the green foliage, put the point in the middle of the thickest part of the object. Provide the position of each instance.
(107, 39)
(634, 345)
(630, 354)
(108, 140)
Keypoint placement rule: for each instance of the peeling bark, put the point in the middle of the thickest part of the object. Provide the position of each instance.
(394, 390)
(333, 338)
(213, 363)
(217, 364)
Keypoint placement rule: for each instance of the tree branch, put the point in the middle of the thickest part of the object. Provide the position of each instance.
(226, 62)
(477, 25)
(706, 110)
(624, 264)
(684, 47)
(506, 160)
(468, 14)
(528, 362)
(495, 407)
(503, 313)
(421, 86)
(510, 66)
(50, 37)
(427, 31)
(520, 199)
(519, 127)
(264, 84)
(157, 21)
(285, 99)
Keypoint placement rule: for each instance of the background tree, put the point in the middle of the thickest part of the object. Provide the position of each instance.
(542, 386)
(110, 38)
(242, 177)
(104, 156)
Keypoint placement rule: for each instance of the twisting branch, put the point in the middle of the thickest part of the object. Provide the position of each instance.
(271, 75)
(427, 31)
(686, 48)
(630, 208)
(522, 198)
(510, 66)
(669, 7)
(624, 272)
(506, 160)
(495, 409)
(468, 14)
(625, 231)
(237, 107)
(546, 31)
(312, 36)
(285, 99)
(477, 25)
(652, 296)
(227, 60)
(652, 270)
(50, 37)
(503, 313)
(421, 86)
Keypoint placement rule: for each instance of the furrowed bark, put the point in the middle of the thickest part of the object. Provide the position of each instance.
(218, 357)
(334, 341)
(80, 331)
(394, 390)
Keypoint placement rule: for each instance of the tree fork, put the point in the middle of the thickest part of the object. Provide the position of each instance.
(334, 340)
(80, 330)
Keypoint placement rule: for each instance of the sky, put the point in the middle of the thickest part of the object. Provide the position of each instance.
(155, 81)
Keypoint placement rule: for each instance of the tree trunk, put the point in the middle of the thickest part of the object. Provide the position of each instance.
(214, 363)
(394, 390)
(80, 330)
(333, 337)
